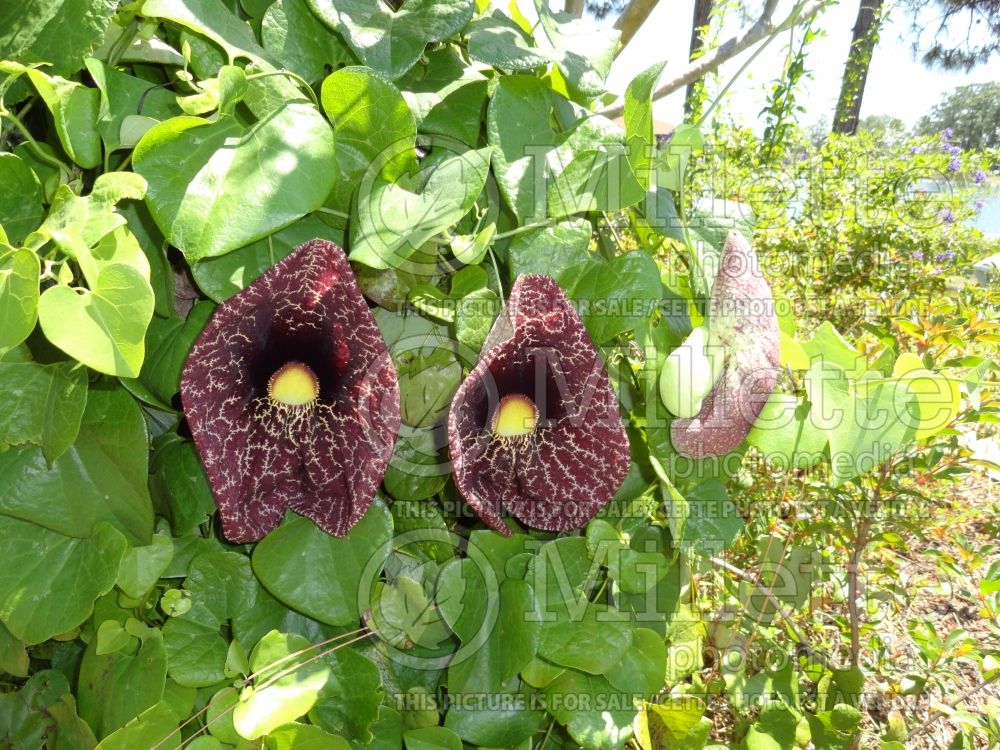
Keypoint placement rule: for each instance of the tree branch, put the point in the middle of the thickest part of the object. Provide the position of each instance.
(632, 18)
(762, 29)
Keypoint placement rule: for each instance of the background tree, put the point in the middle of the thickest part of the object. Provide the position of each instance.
(887, 129)
(973, 114)
(977, 23)
(699, 32)
(852, 87)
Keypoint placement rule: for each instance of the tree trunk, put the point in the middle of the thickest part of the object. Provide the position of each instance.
(852, 89)
(575, 7)
(702, 12)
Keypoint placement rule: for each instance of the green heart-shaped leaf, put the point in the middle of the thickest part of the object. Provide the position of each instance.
(217, 186)
(103, 327)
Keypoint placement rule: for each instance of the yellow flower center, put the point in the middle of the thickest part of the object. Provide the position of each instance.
(516, 416)
(295, 384)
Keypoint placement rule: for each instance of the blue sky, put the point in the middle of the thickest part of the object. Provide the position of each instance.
(898, 85)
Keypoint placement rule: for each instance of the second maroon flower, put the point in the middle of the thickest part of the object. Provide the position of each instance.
(535, 428)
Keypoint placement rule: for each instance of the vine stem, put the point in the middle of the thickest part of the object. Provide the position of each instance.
(4, 112)
(861, 539)
(525, 228)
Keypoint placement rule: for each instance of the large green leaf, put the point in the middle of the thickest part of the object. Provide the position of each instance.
(374, 128)
(597, 179)
(583, 48)
(865, 427)
(60, 32)
(643, 666)
(617, 296)
(487, 664)
(550, 250)
(432, 738)
(44, 405)
(293, 35)
(100, 478)
(713, 522)
(304, 737)
(519, 126)
(222, 277)
(155, 726)
(19, 272)
(216, 186)
(595, 714)
(447, 97)
(349, 702)
(593, 643)
(639, 134)
(49, 582)
(43, 714)
(221, 585)
(20, 199)
(391, 41)
(168, 341)
(318, 574)
(395, 219)
(178, 484)
(500, 43)
(74, 109)
(785, 433)
(116, 687)
(103, 326)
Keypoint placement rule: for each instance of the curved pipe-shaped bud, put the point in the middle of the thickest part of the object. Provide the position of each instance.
(690, 372)
(742, 321)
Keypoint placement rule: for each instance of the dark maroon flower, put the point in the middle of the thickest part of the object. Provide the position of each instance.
(535, 428)
(742, 335)
(292, 398)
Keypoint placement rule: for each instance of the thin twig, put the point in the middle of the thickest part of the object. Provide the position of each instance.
(951, 704)
(785, 615)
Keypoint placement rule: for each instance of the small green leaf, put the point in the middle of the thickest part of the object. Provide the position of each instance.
(74, 109)
(142, 566)
(638, 117)
(391, 40)
(104, 326)
(278, 697)
(115, 687)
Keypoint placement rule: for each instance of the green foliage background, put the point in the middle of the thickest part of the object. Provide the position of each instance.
(158, 156)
